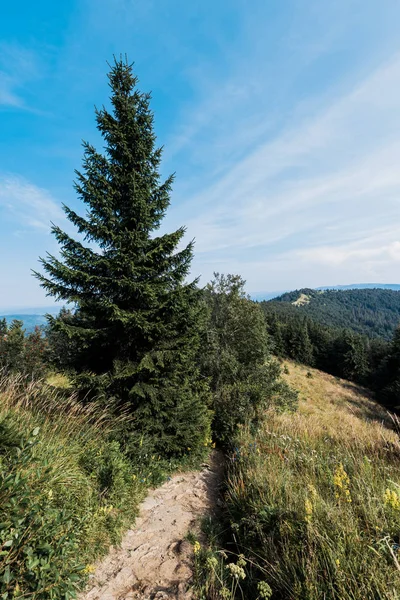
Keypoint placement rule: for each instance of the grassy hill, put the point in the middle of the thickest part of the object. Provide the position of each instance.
(373, 312)
(313, 500)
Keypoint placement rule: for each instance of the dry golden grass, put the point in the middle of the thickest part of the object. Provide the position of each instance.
(59, 380)
(336, 407)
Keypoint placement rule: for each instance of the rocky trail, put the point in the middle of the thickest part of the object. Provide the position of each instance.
(154, 560)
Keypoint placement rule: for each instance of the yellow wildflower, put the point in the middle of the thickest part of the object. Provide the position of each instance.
(89, 569)
(309, 510)
(313, 491)
(392, 499)
(342, 483)
(196, 547)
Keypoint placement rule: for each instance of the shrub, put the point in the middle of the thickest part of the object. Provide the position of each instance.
(244, 377)
(39, 540)
(67, 491)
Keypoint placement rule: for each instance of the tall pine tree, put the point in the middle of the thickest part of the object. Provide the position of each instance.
(136, 330)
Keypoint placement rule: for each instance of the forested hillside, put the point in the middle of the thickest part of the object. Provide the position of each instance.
(373, 312)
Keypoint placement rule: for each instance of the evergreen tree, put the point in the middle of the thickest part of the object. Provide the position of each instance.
(35, 350)
(389, 374)
(354, 357)
(275, 331)
(306, 347)
(136, 328)
(3, 327)
(11, 345)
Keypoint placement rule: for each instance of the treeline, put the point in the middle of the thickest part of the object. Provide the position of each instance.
(372, 362)
(371, 312)
(26, 354)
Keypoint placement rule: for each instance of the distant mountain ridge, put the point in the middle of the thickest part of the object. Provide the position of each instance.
(29, 321)
(260, 296)
(363, 286)
(29, 316)
(371, 311)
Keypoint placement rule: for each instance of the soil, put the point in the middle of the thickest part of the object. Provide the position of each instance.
(154, 560)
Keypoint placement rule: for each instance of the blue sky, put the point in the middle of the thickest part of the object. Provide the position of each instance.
(280, 119)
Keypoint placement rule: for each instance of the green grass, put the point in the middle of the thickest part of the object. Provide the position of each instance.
(312, 502)
(66, 490)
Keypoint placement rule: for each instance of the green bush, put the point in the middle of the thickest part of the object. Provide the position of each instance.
(244, 378)
(39, 540)
(67, 491)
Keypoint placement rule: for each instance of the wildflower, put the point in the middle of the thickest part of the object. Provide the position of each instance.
(337, 562)
(392, 499)
(196, 547)
(241, 560)
(133, 477)
(309, 510)
(89, 569)
(313, 491)
(264, 590)
(225, 593)
(237, 572)
(189, 449)
(212, 563)
(342, 483)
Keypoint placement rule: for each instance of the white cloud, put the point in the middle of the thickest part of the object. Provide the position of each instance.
(28, 205)
(18, 66)
(313, 189)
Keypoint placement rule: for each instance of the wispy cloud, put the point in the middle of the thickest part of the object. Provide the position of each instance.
(18, 66)
(312, 189)
(27, 205)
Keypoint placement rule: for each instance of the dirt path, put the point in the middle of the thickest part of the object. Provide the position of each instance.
(154, 560)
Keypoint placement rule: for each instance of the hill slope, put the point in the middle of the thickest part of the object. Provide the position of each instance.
(373, 312)
(313, 499)
(337, 406)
